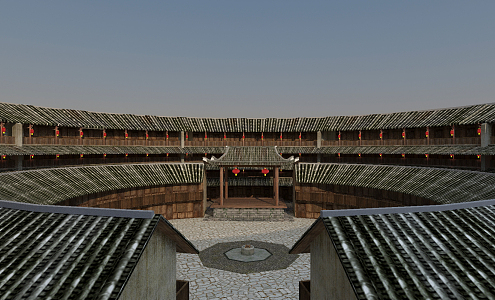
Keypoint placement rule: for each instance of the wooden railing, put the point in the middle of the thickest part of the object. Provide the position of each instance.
(7, 140)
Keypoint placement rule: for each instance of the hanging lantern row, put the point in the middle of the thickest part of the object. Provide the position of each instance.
(265, 171)
(236, 171)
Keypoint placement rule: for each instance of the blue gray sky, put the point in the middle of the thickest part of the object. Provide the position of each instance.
(251, 59)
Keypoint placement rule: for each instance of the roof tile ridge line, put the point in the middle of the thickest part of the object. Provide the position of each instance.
(408, 167)
(434, 109)
(406, 209)
(75, 210)
(163, 219)
(97, 166)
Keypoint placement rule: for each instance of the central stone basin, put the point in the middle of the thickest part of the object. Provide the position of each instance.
(247, 253)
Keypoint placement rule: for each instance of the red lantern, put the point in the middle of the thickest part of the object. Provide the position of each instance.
(427, 133)
(403, 155)
(187, 136)
(478, 155)
(126, 154)
(381, 135)
(31, 131)
(452, 156)
(147, 136)
(82, 155)
(146, 154)
(339, 137)
(104, 134)
(104, 155)
(243, 136)
(235, 171)
(452, 132)
(359, 135)
(126, 135)
(299, 154)
(359, 154)
(206, 154)
(380, 155)
(426, 155)
(4, 156)
(338, 154)
(280, 136)
(479, 131)
(265, 171)
(167, 154)
(206, 136)
(262, 136)
(57, 156)
(299, 136)
(57, 132)
(3, 130)
(167, 136)
(81, 133)
(32, 156)
(225, 136)
(403, 134)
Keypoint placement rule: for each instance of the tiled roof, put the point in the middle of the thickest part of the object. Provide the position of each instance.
(46, 255)
(447, 254)
(62, 149)
(49, 186)
(432, 149)
(251, 156)
(441, 185)
(29, 114)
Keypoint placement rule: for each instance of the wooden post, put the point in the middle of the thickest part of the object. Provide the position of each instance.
(29, 133)
(221, 186)
(275, 185)
(1, 132)
(226, 183)
(56, 135)
(428, 137)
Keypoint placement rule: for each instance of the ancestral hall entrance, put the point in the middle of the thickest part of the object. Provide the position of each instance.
(264, 159)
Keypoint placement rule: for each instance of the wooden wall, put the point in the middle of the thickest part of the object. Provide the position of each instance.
(310, 199)
(171, 201)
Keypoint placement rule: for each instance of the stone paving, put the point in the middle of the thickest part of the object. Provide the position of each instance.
(209, 283)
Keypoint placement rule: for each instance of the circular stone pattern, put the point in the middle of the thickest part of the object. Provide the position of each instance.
(258, 255)
(216, 257)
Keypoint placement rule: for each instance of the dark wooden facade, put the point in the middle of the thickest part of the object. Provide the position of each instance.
(310, 199)
(171, 201)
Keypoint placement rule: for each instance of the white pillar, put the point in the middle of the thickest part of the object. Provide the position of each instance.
(17, 133)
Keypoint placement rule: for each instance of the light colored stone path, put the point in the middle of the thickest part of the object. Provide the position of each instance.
(208, 283)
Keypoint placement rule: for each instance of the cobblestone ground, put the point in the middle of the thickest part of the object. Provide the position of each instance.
(208, 283)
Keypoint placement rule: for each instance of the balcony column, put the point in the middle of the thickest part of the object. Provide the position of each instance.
(226, 183)
(318, 145)
(486, 133)
(275, 185)
(56, 135)
(182, 147)
(221, 186)
(17, 133)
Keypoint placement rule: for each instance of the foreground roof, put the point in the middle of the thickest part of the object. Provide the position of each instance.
(251, 156)
(433, 252)
(29, 114)
(55, 252)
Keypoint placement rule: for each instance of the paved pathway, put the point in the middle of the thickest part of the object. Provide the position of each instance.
(208, 283)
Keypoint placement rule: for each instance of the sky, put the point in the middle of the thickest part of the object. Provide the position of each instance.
(253, 59)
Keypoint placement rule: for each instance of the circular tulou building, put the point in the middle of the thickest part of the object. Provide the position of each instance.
(426, 174)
